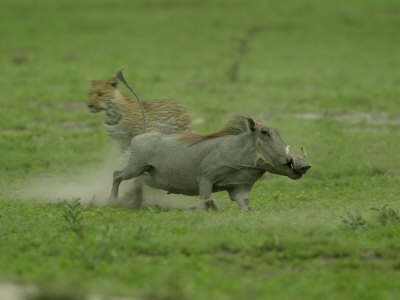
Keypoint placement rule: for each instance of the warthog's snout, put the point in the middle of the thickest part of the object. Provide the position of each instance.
(297, 163)
(303, 170)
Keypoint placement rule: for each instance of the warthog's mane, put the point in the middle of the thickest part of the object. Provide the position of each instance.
(235, 126)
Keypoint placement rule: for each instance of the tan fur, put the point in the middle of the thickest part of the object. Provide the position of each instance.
(234, 126)
(123, 117)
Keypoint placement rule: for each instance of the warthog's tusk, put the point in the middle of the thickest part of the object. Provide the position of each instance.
(303, 151)
(288, 156)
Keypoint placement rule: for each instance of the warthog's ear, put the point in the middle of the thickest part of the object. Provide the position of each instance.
(250, 124)
(113, 81)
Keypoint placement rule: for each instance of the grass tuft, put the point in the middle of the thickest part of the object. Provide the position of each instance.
(386, 214)
(353, 220)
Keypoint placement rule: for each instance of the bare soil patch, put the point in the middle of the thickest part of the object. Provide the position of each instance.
(381, 118)
(12, 291)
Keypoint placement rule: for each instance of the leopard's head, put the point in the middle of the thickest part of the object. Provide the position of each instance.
(100, 92)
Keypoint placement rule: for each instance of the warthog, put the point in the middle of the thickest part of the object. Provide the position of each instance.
(231, 159)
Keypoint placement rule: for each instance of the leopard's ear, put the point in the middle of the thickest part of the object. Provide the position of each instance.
(113, 81)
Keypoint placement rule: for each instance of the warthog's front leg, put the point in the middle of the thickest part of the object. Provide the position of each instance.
(128, 172)
(240, 194)
(205, 190)
(117, 179)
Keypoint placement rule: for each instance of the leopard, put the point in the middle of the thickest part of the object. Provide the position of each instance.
(123, 118)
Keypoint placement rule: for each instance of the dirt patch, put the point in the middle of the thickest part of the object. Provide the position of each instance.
(13, 131)
(241, 49)
(369, 129)
(12, 291)
(19, 59)
(382, 118)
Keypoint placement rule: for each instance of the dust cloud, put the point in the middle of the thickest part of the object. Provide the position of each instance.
(93, 187)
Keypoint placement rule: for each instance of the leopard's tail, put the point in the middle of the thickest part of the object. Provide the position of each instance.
(120, 76)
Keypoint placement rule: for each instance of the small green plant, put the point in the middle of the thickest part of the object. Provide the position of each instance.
(387, 214)
(353, 220)
(73, 216)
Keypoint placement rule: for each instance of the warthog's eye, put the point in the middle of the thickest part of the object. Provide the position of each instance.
(100, 94)
(265, 131)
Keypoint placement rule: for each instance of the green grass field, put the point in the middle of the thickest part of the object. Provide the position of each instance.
(327, 74)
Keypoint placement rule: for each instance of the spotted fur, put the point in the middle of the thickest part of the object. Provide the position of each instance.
(123, 117)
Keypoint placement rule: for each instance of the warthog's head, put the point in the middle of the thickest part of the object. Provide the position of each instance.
(274, 155)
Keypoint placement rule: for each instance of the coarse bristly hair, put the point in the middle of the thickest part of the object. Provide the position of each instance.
(235, 126)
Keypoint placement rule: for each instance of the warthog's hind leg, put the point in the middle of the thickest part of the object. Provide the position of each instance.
(135, 193)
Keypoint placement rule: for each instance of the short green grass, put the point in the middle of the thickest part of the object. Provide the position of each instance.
(327, 74)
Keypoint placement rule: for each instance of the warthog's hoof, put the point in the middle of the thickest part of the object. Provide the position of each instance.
(249, 208)
(246, 208)
(209, 204)
(193, 207)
